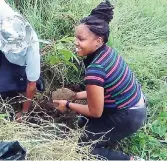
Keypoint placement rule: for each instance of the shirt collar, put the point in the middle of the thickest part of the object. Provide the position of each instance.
(91, 56)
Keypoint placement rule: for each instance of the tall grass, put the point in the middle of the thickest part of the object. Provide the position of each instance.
(54, 19)
(139, 33)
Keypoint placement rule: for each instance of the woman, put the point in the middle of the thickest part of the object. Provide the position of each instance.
(116, 107)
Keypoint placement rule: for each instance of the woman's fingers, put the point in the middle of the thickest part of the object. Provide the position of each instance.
(56, 102)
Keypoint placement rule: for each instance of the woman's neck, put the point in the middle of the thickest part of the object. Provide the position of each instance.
(99, 49)
(91, 56)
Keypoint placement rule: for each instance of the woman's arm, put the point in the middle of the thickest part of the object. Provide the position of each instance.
(81, 95)
(95, 99)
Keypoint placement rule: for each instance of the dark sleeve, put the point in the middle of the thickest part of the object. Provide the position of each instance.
(95, 75)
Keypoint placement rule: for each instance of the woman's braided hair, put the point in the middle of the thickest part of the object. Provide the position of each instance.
(99, 19)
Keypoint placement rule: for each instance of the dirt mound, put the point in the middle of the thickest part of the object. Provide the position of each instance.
(63, 94)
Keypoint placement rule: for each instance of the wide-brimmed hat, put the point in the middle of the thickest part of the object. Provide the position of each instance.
(15, 34)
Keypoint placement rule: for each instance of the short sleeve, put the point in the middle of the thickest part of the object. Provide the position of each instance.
(95, 75)
(33, 61)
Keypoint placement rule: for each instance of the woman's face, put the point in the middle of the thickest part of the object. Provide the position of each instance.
(86, 41)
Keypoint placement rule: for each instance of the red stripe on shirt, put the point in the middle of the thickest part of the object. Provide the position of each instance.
(128, 101)
(110, 89)
(107, 96)
(104, 55)
(115, 66)
(129, 86)
(94, 78)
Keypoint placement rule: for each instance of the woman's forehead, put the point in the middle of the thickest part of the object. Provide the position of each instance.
(82, 30)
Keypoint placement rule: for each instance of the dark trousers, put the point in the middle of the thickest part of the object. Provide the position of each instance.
(5, 95)
(110, 128)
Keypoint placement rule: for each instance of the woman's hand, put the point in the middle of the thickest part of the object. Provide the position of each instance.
(74, 97)
(79, 96)
(60, 105)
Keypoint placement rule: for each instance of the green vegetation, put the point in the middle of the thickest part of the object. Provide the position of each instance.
(138, 32)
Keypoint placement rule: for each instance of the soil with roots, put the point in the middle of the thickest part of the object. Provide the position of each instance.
(43, 109)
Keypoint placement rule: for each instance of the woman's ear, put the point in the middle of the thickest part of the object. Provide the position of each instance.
(100, 41)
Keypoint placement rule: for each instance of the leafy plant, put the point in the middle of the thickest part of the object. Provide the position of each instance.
(3, 116)
(60, 53)
(159, 126)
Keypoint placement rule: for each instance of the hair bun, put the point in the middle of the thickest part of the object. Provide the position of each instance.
(103, 11)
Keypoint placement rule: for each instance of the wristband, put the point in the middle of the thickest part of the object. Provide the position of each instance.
(68, 105)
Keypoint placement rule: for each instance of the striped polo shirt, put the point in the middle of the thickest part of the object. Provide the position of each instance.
(106, 68)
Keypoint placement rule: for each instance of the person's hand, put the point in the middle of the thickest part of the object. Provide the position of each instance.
(74, 97)
(60, 105)
(19, 116)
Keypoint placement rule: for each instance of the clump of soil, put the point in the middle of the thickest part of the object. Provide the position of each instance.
(63, 94)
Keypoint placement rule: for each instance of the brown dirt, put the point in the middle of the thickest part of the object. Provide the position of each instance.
(63, 94)
(47, 111)
(44, 110)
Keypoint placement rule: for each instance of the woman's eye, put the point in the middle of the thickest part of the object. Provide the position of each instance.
(81, 39)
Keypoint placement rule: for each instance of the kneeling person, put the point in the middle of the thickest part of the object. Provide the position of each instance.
(19, 55)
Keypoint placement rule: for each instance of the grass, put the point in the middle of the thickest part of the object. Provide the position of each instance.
(43, 142)
(139, 33)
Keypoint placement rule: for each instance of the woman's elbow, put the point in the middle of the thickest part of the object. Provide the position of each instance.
(96, 114)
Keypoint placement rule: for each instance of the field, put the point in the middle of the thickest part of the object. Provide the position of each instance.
(138, 32)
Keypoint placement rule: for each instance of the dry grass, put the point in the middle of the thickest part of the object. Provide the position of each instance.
(41, 143)
(44, 139)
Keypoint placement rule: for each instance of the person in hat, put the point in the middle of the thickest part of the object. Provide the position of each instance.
(116, 107)
(19, 56)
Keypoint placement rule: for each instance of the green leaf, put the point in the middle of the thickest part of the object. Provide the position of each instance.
(66, 53)
(159, 129)
(59, 46)
(67, 39)
(54, 60)
(163, 114)
(2, 116)
(75, 57)
(71, 64)
(153, 140)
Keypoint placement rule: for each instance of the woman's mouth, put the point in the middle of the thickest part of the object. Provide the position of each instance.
(77, 49)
